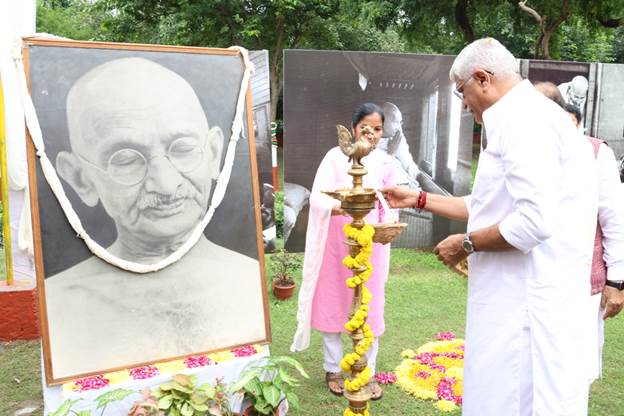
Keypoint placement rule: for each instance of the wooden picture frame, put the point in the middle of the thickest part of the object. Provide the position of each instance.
(98, 318)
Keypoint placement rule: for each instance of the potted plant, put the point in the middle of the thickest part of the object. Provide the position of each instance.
(284, 264)
(180, 397)
(267, 384)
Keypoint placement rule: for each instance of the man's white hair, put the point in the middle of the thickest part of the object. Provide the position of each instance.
(487, 54)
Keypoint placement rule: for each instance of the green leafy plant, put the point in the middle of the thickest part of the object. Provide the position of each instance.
(180, 397)
(66, 408)
(111, 397)
(101, 401)
(268, 383)
(284, 264)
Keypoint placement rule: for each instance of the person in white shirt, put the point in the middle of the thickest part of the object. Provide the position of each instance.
(607, 275)
(531, 225)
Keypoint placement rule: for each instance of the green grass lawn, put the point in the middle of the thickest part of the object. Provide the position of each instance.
(422, 298)
(20, 377)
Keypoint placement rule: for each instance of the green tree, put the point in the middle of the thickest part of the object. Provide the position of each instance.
(74, 19)
(579, 41)
(618, 45)
(445, 26)
(274, 25)
(254, 24)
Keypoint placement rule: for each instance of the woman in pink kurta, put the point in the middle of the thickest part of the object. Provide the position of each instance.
(324, 299)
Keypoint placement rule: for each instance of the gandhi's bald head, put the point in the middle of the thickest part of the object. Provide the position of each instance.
(393, 121)
(121, 89)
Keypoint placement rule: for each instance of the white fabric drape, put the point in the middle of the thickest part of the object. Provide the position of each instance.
(16, 19)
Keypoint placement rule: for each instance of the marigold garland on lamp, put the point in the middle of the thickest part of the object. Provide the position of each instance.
(361, 266)
(357, 202)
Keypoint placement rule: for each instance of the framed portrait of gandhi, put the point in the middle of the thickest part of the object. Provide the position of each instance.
(145, 201)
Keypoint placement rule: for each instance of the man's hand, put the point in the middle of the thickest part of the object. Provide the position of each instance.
(612, 301)
(400, 196)
(450, 250)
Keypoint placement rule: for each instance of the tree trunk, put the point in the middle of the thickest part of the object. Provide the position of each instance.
(538, 46)
(546, 43)
(461, 18)
(542, 44)
(276, 90)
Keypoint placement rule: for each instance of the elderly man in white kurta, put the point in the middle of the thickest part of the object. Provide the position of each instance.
(531, 223)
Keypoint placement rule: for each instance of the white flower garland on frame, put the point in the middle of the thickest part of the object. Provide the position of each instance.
(49, 172)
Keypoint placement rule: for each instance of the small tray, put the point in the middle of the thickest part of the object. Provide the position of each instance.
(386, 232)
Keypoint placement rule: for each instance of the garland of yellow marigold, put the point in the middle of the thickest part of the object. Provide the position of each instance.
(364, 238)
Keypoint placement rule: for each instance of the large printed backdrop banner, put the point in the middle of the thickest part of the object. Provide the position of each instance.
(596, 89)
(137, 135)
(426, 131)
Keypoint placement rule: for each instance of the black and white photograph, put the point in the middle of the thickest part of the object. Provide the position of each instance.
(426, 131)
(594, 90)
(608, 120)
(139, 137)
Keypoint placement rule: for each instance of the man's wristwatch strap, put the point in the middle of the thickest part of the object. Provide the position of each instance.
(619, 285)
(467, 244)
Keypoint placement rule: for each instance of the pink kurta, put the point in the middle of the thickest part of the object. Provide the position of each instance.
(332, 298)
(324, 299)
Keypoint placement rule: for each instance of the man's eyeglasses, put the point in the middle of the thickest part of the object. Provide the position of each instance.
(129, 167)
(459, 91)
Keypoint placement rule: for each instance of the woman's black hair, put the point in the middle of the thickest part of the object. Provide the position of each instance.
(574, 110)
(364, 110)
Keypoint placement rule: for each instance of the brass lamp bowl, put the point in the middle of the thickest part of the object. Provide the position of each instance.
(387, 231)
(356, 202)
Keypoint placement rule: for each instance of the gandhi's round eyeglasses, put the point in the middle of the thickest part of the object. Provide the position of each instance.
(129, 166)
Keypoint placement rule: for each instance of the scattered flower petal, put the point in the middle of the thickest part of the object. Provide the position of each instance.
(141, 373)
(385, 377)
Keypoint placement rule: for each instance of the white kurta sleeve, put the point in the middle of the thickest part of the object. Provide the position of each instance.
(611, 213)
(467, 202)
(531, 167)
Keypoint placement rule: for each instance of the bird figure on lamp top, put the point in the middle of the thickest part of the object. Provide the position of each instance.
(359, 148)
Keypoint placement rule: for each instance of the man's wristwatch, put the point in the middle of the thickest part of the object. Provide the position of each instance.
(467, 244)
(618, 284)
